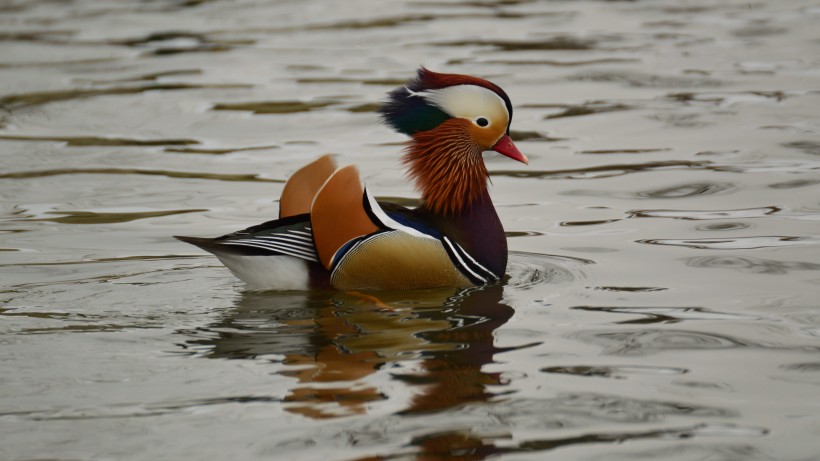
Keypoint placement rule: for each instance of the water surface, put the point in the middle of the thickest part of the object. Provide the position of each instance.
(663, 299)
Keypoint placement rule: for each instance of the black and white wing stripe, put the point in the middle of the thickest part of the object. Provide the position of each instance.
(291, 242)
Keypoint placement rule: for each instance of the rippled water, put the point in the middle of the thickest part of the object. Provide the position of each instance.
(663, 299)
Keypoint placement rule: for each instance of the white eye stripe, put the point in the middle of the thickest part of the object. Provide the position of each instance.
(468, 101)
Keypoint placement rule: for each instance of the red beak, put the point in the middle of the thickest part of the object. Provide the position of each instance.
(505, 146)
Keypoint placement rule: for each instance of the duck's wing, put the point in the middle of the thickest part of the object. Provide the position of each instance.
(302, 186)
(276, 255)
(289, 236)
(337, 214)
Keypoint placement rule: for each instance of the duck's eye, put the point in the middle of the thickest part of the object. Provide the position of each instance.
(482, 122)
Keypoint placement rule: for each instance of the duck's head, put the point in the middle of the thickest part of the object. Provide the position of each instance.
(451, 119)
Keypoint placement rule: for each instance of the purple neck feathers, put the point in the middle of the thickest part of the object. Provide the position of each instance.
(478, 230)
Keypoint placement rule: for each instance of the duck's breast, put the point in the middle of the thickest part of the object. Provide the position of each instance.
(395, 260)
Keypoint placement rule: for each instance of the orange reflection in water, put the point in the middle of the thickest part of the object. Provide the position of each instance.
(334, 343)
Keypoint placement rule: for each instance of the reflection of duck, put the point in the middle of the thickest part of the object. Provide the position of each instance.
(455, 375)
(331, 231)
(334, 343)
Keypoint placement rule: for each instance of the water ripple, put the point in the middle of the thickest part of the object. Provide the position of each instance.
(719, 98)
(81, 141)
(529, 270)
(572, 409)
(623, 151)
(24, 100)
(115, 171)
(807, 147)
(563, 63)
(795, 183)
(606, 171)
(646, 80)
(751, 265)
(588, 108)
(90, 217)
(667, 315)
(551, 44)
(692, 215)
(615, 371)
(738, 243)
(697, 215)
(176, 42)
(724, 226)
(222, 151)
(687, 190)
(805, 367)
(649, 341)
(274, 107)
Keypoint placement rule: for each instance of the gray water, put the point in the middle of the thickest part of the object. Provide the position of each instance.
(663, 299)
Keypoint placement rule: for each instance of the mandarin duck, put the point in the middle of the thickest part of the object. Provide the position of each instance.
(332, 232)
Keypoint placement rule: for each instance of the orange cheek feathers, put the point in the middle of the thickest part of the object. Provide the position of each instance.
(486, 137)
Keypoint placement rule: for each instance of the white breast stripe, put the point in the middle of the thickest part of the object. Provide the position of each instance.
(476, 263)
(465, 266)
(390, 222)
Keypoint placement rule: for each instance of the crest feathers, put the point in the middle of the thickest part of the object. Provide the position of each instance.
(407, 112)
